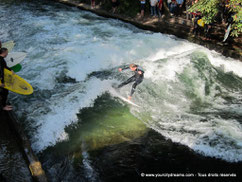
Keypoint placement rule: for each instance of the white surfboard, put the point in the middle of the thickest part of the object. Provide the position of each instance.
(227, 33)
(116, 94)
(9, 45)
(15, 58)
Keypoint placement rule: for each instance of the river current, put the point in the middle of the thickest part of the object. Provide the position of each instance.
(190, 95)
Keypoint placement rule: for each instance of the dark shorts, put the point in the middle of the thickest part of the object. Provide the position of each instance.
(142, 6)
(115, 4)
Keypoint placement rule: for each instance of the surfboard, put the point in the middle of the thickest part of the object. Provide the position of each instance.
(227, 33)
(201, 23)
(15, 58)
(9, 45)
(116, 94)
(16, 68)
(16, 84)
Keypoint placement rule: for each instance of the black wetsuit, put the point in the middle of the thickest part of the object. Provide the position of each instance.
(3, 91)
(137, 79)
(197, 29)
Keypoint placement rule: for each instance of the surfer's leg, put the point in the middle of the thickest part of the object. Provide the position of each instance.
(4, 96)
(137, 82)
(1, 104)
(131, 79)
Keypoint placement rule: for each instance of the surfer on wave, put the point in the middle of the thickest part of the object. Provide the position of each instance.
(137, 78)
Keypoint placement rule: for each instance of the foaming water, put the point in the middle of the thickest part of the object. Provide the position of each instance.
(190, 95)
(196, 105)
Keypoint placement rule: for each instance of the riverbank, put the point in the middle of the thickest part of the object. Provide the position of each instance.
(18, 154)
(12, 163)
(177, 26)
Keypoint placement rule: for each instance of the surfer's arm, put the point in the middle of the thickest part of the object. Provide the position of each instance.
(2, 72)
(8, 68)
(140, 71)
(123, 68)
(2, 66)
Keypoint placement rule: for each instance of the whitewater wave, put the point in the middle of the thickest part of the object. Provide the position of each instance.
(187, 93)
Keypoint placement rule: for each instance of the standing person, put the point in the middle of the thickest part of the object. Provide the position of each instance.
(188, 5)
(0, 44)
(179, 6)
(93, 4)
(137, 78)
(196, 27)
(159, 7)
(226, 11)
(153, 7)
(142, 7)
(173, 7)
(207, 31)
(115, 4)
(3, 91)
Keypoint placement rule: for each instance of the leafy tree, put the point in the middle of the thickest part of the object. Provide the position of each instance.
(211, 8)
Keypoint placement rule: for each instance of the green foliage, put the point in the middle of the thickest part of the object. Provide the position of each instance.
(237, 26)
(211, 8)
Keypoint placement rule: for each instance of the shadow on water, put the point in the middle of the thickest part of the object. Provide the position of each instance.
(110, 144)
(105, 124)
(12, 165)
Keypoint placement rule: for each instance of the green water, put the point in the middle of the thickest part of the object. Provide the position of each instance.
(107, 123)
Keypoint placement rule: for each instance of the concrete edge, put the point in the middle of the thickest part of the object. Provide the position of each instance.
(35, 167)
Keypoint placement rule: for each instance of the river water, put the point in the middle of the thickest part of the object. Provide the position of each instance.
(190, 98)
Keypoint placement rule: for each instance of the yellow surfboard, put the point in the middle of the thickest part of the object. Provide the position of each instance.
(9, 45)
(16, 84)
(201, 23)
